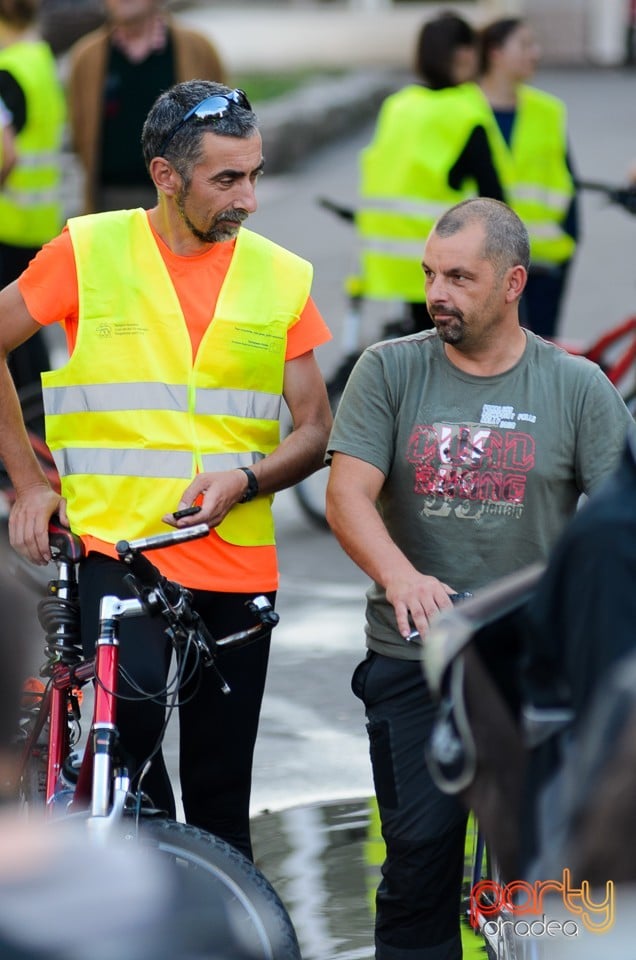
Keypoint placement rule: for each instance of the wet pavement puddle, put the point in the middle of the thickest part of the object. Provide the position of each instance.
(324, 861)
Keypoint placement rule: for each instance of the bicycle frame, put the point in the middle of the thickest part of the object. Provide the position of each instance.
(59, 699)
(103, 781)
(616, 368)
(104, 728)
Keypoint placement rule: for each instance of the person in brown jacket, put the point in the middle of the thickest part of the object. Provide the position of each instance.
(115, 74)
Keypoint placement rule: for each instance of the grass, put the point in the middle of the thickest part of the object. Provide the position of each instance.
(266, 86)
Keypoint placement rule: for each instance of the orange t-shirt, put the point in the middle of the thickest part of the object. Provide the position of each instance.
(49, 289)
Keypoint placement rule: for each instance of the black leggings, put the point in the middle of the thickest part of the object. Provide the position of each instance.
(217, 732)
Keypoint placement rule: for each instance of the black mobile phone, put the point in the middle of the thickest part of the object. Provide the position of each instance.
(186, 512)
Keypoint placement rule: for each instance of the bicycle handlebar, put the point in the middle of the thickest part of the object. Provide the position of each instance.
(174, 602)
(624, 196)
(345, 213)
(454, 598)
(130, 548)
(165, 597)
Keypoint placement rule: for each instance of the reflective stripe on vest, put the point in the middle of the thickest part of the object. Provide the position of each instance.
(404, 188)
(161, 396)
(118, 462)
(530, 193)
(131, 419)
(393, 248)
(34, 200)
(31, 199)
(408, 208)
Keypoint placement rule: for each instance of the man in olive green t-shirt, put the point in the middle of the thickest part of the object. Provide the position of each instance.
(457, 457)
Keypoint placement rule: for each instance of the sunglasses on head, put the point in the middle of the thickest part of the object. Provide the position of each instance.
(211, 108)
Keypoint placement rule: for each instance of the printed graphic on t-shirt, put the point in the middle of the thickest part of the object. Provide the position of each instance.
(472, 469)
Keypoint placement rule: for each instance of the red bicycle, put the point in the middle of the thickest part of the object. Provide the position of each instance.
(55, 777)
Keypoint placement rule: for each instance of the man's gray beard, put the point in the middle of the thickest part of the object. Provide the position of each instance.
(219, 231)
(448, 334)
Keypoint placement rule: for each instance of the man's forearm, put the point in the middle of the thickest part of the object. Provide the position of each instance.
(354, 519)
(361, 533)
(298, 455)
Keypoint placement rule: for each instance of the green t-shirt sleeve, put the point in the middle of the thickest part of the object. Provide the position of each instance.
(364, 424)
(601, 433)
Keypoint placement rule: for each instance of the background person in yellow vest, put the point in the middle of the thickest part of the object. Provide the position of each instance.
(429, 150)
(531, 152)
(30, 199)
(186, 332)
(116, 72)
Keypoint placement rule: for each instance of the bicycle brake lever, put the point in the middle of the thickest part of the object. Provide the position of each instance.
(225, 687)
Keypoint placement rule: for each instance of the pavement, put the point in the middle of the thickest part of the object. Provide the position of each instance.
(273, 36)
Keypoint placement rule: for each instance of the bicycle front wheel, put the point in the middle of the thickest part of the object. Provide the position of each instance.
(311, 492)
(240, 897)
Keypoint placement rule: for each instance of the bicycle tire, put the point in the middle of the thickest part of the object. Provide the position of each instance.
(264, 930)
(32, 406)
(502, 944)
(311, 492)
(32, 786)
(32, 753)
(630, 402)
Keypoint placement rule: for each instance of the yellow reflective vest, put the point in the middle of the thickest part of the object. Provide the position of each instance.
(131, 418)
(534, 173)
(419, 136)
(30, 199)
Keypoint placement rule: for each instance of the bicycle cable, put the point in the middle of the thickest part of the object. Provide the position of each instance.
(185, 651)
(170, 706)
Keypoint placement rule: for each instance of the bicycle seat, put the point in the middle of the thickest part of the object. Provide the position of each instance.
(65, 545)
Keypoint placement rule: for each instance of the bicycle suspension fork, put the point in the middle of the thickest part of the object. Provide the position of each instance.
(104, 731)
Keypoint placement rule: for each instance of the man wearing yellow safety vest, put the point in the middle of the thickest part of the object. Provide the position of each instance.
(186, 332)
(430, 149)
(30, 198)
(530, 149)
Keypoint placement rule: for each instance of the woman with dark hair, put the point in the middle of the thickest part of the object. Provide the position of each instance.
(531, 153)
(430, 149)
(446, 53)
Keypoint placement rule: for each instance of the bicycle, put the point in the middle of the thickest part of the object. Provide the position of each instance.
(614, 350)
(52, 777)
